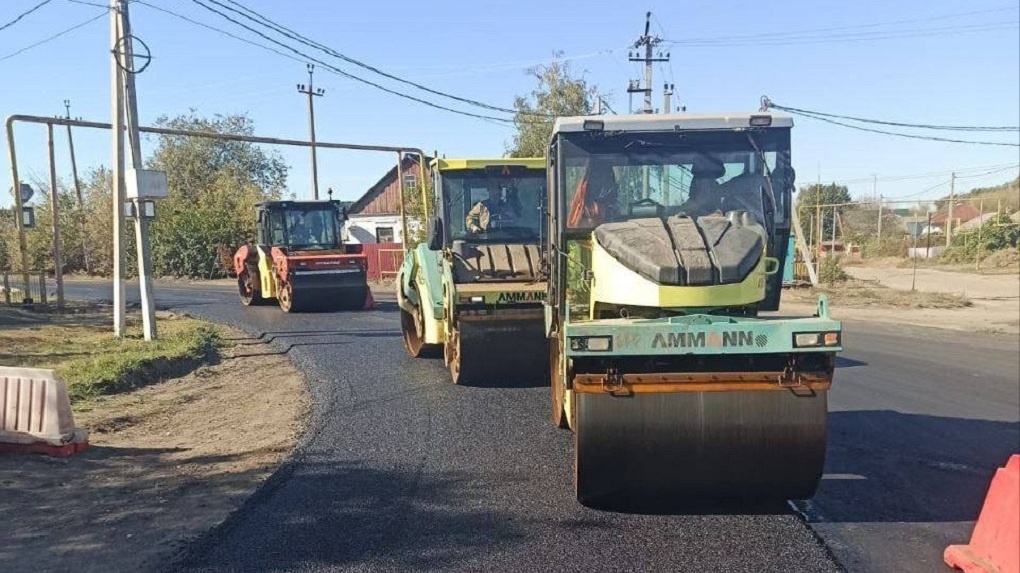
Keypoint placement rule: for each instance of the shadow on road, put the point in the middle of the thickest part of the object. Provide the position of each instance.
(884, 466)
(356, 516)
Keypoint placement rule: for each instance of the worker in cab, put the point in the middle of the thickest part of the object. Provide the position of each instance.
(299, 233)
(500, 209)
(704, 197)
(596, 197)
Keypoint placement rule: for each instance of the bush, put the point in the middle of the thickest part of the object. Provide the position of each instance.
(831, 271)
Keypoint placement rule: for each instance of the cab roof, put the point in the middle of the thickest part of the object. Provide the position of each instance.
(460, 164)
(670, 122)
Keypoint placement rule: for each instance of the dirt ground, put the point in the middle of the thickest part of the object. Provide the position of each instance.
(167, 463)
(994, 298)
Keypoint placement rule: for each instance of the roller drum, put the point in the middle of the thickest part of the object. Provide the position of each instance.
(697, 445)
(497, 352)
(314, 291)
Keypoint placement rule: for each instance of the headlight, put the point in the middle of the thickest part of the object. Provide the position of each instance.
(591, 343)
(810, 339)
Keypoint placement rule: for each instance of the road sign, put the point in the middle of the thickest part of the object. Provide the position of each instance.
(26, 193)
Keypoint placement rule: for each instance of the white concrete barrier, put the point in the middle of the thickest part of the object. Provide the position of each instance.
(35, 414)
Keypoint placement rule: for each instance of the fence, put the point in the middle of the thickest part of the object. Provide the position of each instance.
(383, 259)
(15, 292)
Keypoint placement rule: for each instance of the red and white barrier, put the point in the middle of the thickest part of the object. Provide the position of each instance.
(995, 544)
(35, 414)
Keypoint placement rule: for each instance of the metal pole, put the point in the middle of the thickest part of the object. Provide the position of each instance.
(18, 206)
(117, 145)
(58, 260)
(981, 224)
(880, 219)
(77, 191)
(952, 199)
(927, 248)
(403, 209)
(142, 242)
(832, 245)
(913, 277)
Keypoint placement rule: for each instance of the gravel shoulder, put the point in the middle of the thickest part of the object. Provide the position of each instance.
(168, 462)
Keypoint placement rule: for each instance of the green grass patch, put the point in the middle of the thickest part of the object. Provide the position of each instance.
(83, 351)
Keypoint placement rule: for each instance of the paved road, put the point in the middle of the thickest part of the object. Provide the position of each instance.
(401, 470)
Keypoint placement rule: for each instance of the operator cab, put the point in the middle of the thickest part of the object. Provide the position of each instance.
(491, 217)
(694, 173)
(301, 225)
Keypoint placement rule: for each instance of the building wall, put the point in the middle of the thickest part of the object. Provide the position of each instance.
(368, 229)
(387, 202)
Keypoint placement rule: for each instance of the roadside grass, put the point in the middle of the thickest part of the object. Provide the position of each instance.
(854, 293)
(81, 349)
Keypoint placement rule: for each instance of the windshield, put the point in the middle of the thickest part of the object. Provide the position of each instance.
(615, 177)
(304, 228)
(492, 205)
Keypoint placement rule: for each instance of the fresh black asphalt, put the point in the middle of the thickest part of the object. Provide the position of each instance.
(402, 470)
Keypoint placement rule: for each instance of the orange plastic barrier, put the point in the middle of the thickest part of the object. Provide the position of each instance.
(35, 414)
(995, 544)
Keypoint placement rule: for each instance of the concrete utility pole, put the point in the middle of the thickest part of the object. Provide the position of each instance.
(312, 92)
(667, 98)
(58, 259)
(648, 42)
(142, 241)
(949, 218)
(77, 191)
(117, 148)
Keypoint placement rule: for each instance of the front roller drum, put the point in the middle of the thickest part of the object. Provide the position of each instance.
(498, 352)
(686, 446)
(311, 292)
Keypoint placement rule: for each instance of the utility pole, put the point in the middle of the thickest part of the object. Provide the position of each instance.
(77, 191)
(880, 219)
(952, 199)
(598, 105)
(312, 92)
(117, 145)
(58, 260)
(648, 42)
(142, 241)
(667, 94)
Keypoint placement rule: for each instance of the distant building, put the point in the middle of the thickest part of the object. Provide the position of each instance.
(375, 217)
(962, 212)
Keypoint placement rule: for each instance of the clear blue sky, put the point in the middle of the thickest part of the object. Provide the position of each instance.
(950, 62)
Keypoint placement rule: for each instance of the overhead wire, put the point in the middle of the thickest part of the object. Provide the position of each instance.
(897, 123)
(811, 115)
(343, 73)
(24, 14)
(219, 30)
(816, 33)
(265, 21)
(51, 38)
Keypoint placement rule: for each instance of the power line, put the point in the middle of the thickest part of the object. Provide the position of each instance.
(814, 33)
(927, 174)
(23, 14)
(264, 21)
(893, 133)
(51, 38)
(346, 74)
(895, 123)
(220, 31)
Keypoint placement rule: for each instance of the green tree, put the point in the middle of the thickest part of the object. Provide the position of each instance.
(214, 185)
(558, 94)
(810, 196)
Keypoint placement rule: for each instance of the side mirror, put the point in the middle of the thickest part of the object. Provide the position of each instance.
(435, 234)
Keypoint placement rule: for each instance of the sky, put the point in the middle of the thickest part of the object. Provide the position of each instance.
(951, 62)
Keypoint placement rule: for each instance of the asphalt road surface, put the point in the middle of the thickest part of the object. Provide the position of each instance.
(402, 470)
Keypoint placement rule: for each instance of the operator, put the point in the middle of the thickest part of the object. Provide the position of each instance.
(596, 198)
(501, 207)
(299, 234)
(704, 198)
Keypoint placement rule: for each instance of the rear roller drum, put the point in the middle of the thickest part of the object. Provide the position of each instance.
(413, 330)
(497, 352)
(696, 445)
